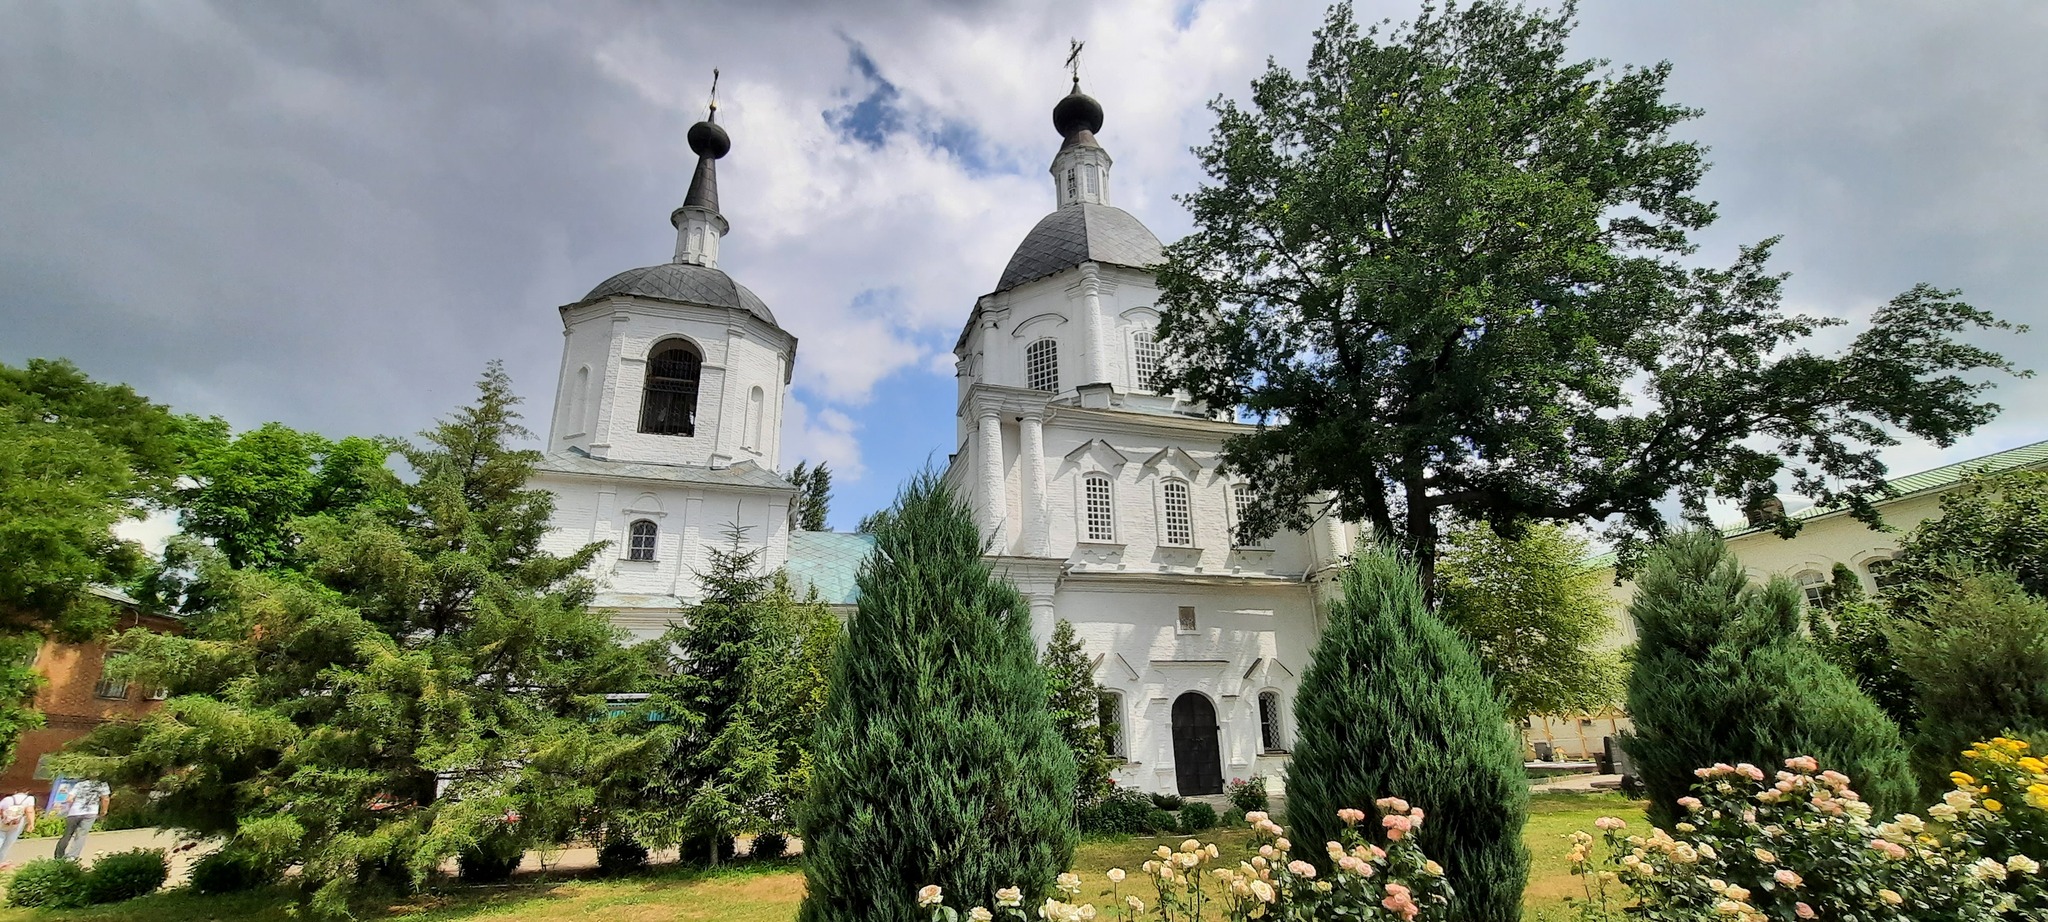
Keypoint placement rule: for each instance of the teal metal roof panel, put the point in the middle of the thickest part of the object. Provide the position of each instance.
(827, 561)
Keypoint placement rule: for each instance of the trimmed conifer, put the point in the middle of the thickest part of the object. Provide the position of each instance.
(1394, 705)
(937, 759)
(1076, 702)
(1722, 674)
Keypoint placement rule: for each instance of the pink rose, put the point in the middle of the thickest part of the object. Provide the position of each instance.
(1351, 816)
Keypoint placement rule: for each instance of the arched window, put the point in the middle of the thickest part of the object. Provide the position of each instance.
(668, 404)
(1101, 508)
(1270, 737)
(1814, 585)
(1145, 359)
(757, 405)
(1180, 517)
(1109, 714)
(579, 394)
(1042, 366)
(640, 540)
(1881, 575)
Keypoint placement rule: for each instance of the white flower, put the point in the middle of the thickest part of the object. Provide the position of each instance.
(929, 895)
(2021, 864)
(1009, 897)
(1116, 875)
(980, 914)
(1069, 883)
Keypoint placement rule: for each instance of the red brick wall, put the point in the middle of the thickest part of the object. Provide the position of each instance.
(70, 704)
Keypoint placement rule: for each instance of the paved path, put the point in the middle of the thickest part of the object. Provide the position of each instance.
(101, 843)
(1577, 784)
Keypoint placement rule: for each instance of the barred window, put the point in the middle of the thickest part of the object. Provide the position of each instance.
(1269, 722)
(640, 540)
(1881, 575)
(1185, 620)
(1240, 506)
(1109, 714)
(1145, 359)
(1101, 510)
(668, 403)
(1814, 585)
(1070, 184)
(110, 686)
(1042, 366)
(1180, 519)
(1090, 174)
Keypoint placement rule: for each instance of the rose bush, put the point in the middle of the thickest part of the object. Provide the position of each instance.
(1802, 845)
(1366, 882)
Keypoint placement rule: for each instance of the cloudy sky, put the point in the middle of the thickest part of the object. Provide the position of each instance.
(333, 214)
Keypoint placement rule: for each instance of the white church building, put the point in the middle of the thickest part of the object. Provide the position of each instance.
(1101, 497)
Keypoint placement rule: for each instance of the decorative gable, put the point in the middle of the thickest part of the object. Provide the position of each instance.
(1097, 455)
(1173, 460)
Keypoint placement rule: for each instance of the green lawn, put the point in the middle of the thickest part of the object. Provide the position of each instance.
(771, 894)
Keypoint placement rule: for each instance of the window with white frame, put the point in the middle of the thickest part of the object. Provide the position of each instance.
(1881, 575)
(1270, 738)
(640, 540)
(1100, 508)
(1240, 506)
(1109, 714)
(1180, 515)
(1814, 585)
(1145, 359)
(1042, 365)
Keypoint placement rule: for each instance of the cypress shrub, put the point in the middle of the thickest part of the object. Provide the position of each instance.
(1722, 674)
(1394, 705)
(937, 760)
(1979, 664)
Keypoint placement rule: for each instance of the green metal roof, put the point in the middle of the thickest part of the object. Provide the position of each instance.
(827, 561)
(1947, 475)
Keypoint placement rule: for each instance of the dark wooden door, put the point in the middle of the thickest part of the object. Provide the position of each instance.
(1197, 759)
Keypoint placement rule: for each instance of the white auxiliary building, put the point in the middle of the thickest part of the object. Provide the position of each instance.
(1102, 496)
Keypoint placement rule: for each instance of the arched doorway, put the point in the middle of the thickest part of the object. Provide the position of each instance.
(1197, 760)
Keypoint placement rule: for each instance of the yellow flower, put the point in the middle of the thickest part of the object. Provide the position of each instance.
(1992, 805)
(1961, 779)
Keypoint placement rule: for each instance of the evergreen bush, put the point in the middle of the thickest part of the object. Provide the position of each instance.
(126, 875)
(621, 854)
(937, 759)
(229, 870)
(1394, 705)
(1979, 665)
(49, 883)
(1167, 801)
(1197, 817)
(1121, 811)
(1722, 674)
(1157, 820)
(769, 846)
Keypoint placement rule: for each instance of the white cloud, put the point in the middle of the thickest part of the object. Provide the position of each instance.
(825, 435)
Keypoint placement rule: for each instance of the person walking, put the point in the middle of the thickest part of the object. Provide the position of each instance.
(17, 817)
(89, 799)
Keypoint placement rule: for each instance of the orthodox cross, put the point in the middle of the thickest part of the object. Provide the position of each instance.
(1074, 59)
(714, 90)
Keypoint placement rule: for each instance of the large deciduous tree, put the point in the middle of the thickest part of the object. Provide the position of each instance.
(1443, 270)
(1536, 615)
(430, 684)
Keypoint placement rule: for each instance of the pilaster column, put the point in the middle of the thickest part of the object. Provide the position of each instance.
(1042, 617)
(1332, 529)
(1091, 319)
(994, 501)
(1031, 450)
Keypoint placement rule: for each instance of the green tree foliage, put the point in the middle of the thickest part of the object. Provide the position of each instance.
(937, 758)
(1995, 522)
(1535, 614)
(1076, 702)
(1722, 674)
(813, 496)
(1979, 663)
(1852, 631)
(744, 679)
(430, 685)
(1394, 705)
(246, 492)
(1443, 269)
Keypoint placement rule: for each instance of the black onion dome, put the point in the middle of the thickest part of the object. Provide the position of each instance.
(1077, 112)
(685, 282)
(709, 140)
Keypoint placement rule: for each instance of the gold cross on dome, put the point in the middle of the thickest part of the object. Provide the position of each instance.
(1074, 59)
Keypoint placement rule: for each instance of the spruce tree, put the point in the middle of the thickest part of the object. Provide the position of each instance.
(1394, 705)
(937, 760)
(1076, 702)
(1722, 674)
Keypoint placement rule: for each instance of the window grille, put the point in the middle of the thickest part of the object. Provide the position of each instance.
(1094, 183)
(1145, 359)
(1881, 575)
(1042, 366)
(1814, 585)
(1185, 621)
(1109, 714)
(1240, 506)
(1101, 509)
(1180, 520)
(110, 686)
(1070, 185)
(640, 543)
(668, 404)
(1269, 722)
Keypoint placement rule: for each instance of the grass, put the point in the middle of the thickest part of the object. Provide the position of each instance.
(771, 893)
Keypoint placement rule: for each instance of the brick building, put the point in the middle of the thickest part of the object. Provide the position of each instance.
(79, 696)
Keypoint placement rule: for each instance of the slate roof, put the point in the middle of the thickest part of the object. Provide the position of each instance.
(684, 282)
(1081, 233)
(827, 561)
(576, 461)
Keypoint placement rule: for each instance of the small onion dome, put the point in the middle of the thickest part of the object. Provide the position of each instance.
(709, 140)
(1077, 112)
